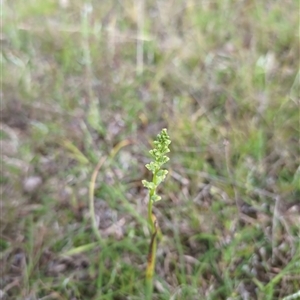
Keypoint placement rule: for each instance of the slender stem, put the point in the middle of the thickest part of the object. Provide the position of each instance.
(151, 260)
(150, 204)
(150, 213)
(153, 244)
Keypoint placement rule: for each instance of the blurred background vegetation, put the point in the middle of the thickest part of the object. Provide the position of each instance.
(87, 80)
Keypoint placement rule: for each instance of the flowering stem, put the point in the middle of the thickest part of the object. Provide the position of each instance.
(158, 153)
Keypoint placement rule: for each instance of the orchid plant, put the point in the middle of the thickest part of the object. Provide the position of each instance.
(158, 153)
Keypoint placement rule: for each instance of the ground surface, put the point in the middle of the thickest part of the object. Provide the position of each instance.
(88, 81)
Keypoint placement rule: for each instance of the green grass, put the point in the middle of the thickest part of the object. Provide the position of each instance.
(221, 76)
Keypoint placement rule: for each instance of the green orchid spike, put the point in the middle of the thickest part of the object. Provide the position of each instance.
(158, 153)
(161, 147)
